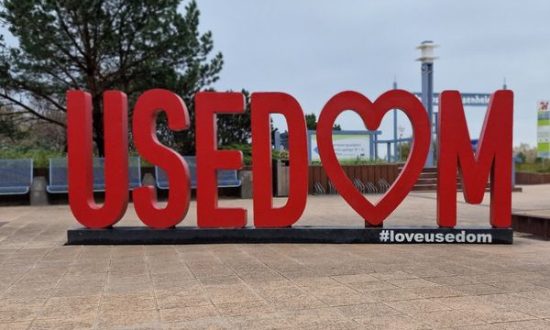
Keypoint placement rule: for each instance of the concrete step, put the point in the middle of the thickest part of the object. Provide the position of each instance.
(428, 180)
(422, 187)
(425, 170)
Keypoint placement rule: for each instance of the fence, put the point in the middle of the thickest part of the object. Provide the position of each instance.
(532, 178)
(369, 173)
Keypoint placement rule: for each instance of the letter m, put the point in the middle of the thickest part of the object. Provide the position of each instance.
(492, 159)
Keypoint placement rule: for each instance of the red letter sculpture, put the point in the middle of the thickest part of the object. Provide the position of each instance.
(80, 158)
(265, 215)
(493, 157)
(209, 159)
(372, 113)
(148, 106)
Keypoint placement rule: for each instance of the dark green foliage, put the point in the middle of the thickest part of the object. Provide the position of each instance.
(99, 45)
(39, 156)
(9, 126)
(246, 149)
(311, 123)
(235, 129)
(539, 166)
(403, 150)
(520, 158)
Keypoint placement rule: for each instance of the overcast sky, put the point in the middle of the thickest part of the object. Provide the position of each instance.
(314, 49)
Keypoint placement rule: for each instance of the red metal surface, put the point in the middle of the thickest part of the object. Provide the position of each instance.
(209, 159)
(265, 215)
(493, 157)
(80, 158)
(147, 108)
(372, 114)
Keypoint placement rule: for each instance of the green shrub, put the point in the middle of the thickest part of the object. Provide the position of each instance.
(246, 149)
(358, 161)
(539, 166)
(40, 157)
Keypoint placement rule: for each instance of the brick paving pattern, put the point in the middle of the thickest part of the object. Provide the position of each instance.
(46, 285)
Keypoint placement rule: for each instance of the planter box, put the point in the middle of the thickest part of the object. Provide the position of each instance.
(532, 178)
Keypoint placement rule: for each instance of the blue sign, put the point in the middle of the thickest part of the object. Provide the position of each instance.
(474, 143)
(468, 99)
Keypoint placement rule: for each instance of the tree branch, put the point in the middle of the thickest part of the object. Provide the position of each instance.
(65, 28)
(31, 110)
(39, 93)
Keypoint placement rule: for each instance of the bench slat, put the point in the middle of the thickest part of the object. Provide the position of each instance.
(226, 178)
(58, 183)
(15, 176)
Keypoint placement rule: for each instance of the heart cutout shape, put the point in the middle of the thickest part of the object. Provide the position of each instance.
(372, 114)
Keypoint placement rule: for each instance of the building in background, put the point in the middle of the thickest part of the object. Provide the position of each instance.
(348, 145)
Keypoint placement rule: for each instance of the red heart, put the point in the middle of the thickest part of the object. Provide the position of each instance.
(372, 114)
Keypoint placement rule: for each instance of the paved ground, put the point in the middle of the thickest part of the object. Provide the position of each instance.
(44, 284)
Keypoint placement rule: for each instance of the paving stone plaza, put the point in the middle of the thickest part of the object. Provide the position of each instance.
(46, 285)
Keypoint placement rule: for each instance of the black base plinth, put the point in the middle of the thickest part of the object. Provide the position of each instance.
(330, 235)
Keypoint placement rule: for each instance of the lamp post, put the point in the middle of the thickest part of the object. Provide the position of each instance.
(395, 159)
(427, 58)
(401, 131)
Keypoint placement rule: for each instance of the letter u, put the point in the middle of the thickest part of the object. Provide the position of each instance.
(80, 158)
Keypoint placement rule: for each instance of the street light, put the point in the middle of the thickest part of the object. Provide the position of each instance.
(427, 51)
(401, 131)
(427, 58)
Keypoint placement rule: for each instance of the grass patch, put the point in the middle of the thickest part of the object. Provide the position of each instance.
(542, 166)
